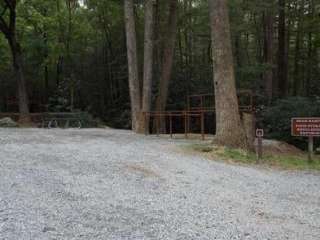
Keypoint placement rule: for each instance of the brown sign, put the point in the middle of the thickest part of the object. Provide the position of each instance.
(305, 127)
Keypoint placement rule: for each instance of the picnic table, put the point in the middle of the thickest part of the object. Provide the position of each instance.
(62, 119)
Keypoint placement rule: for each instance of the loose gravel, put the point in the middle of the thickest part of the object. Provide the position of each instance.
(113, 184)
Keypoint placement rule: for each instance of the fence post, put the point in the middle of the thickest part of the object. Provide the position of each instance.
(202, 126)
(158, 123)
(170, 116)
(145, 124)
(185, 125)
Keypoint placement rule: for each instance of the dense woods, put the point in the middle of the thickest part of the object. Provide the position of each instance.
(116, 59)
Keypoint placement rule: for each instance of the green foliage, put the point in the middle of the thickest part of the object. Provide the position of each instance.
(119, 118)
(5, 55)
(58, 103)
(276, 119)
(85, 49)
(88, 121)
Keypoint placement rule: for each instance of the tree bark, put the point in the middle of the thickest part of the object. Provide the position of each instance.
(282, 51)
(134, 84)
(22, 88)
(167, 60)
(46, 70)
(268, 53)
(230, 130)
(148, 64)
(70, 4)
(297, 84)
(310, 52)
(168, 56)
(9, 31)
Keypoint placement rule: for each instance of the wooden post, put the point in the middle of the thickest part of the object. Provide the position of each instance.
(158, 123)
(188, 122)
(185, 125)
(259, 152)
(201, 102)
(170, 116)
(146, 130)
(259, 134)
(310, 148)
(202, 125)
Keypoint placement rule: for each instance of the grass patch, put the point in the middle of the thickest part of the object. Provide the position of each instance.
(293, 162)
(202, 148)
(237, 155)
(287, 162)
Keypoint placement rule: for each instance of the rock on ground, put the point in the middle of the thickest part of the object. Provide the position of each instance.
(7, 122)
(275, 147)
(111, 184)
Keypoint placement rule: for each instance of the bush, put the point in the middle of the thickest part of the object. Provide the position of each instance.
(118, 118)
(88, 121)
(276, 120)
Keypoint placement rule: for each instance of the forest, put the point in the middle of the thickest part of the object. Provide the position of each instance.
(160, 119)
(114, 59)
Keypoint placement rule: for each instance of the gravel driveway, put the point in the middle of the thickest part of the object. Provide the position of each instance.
(113, 184)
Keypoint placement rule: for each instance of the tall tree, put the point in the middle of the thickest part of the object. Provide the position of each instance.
(282, 51)
(168, 56)
(268, 51)
(71, 6)
(311, 53)
(230, 131)
(8, 28)
(298, 81)
(134, 83)
(148, 62)
(60, 34)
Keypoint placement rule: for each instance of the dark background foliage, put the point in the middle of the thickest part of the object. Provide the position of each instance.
(83, 51)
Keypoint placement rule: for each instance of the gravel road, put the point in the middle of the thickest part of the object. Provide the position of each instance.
(113, 184)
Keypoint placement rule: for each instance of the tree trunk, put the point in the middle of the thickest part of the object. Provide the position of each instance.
(297, 85)
(309, 69)
(59, 67)
(148, 64)
(310, 51)
(46, 70)
(22, 88)
(9, 31)
(230, 130)
(134, 84)
(69, 40)
(45, 56)
(268, 54)
(168, 56)
(282, 51)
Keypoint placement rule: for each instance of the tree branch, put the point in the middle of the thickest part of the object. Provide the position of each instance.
(11, 4)
(4, 27)
(4, 10)
(12, 16)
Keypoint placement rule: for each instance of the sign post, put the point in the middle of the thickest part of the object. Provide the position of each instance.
(259, 135)
(306, 127)
(310, 148)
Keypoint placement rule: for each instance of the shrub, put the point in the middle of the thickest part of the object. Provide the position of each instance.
(276, 120)
(88, 121)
